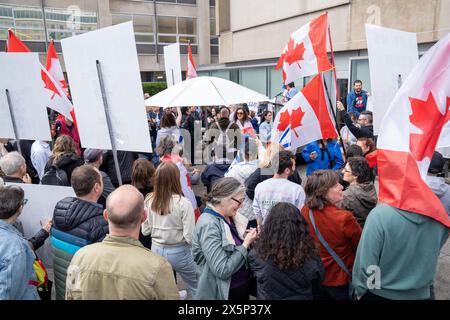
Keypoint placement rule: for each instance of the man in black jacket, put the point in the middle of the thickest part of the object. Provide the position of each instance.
(365, 121)
(192, 120)
(77, 221)
(126, 160)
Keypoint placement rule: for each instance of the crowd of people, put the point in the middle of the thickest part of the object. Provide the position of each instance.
(258, 230)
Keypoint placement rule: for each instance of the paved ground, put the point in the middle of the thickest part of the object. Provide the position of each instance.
(442, 283)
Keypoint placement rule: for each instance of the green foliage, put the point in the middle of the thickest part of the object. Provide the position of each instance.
(153, 88)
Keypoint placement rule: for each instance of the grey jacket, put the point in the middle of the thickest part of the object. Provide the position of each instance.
(360, 199)
(441, 189)
(216, 255)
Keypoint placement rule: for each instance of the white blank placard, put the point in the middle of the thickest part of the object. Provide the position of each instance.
(20, 73)
(115, 48)
(172, 64)
(391, 53)
(41, 203)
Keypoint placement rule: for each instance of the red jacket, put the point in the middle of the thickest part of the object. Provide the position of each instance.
(342, 232)
(71, 132)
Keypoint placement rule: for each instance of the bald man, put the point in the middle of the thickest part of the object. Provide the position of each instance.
(120, 267)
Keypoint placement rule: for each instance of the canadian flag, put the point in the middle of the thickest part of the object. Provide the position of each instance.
(191, 72)
(52, 76)
(410, 132)
(14, 44)
(56, 85)
(306, 51)
(305, 118)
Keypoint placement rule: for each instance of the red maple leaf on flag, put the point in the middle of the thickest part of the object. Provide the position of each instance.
(427, 117)
(296, 119)
(285, 121)
(293, 54)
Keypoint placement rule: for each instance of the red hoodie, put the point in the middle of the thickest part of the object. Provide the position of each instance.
(71, 132)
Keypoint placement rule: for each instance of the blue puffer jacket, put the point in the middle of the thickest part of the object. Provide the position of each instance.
(76, 223)
(322, 160)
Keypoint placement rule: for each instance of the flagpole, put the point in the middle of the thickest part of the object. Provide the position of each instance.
(334, 116)
(337, 91)
(108, 121)
(334, 66)
(45, 26)
(13, 120)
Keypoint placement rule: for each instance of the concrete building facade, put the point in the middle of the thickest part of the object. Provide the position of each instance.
(253, 33)
(156, 24)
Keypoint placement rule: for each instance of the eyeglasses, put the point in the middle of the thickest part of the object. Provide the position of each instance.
(240, 202)
(241, 113)
(22, 203)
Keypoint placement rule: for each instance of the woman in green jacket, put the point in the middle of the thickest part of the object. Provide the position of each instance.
(220, 247)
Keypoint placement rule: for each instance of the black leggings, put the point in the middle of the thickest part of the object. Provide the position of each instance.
(241, 293)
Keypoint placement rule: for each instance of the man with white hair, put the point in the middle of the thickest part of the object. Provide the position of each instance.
(14, 167)
(120, 267)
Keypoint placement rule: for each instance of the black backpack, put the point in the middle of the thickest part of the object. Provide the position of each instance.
(55, 177)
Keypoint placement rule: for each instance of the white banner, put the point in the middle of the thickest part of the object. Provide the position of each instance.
(21, 75)
(115, 48)
(392, 56)
(41, 203)
(172, 64)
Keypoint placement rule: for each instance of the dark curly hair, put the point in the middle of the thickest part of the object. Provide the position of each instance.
(360, 169)
(285, 238)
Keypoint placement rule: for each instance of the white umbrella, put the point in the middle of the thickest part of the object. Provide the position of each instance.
(204, 91)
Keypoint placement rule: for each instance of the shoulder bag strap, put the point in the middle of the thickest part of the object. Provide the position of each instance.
(327, 246)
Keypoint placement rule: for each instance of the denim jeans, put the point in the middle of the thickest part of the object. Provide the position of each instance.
(180, 257)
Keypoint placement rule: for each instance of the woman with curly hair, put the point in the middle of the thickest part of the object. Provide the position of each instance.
(284, 260)
(64, 156)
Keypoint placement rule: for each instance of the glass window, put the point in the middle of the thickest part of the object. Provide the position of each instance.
(187, 1)
(187, 25)
(63, 23)
(160, 76)
(359, 70)
(224, 74)
(212, 3)
(5, 24)
(253, 78)
(144, 38)
(143, 23)
(276, 82)
(214, 50)
(59, 35)
(120, 18)
(186, 39)
(166, 39)
(28, 34)
(212, 27)
(167, 25)
(214, 41)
